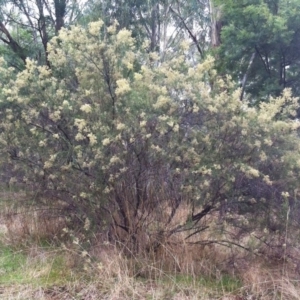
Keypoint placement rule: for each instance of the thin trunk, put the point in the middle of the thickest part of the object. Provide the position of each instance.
(246, 75)
(154, 28)
(216, 25)
(43, 29)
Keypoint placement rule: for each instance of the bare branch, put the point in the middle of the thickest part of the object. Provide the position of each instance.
(192, 36)
(12, 43)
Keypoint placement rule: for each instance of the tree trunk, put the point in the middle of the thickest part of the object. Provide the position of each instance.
(216, 24)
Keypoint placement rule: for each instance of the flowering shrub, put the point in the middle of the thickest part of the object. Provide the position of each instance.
(111, 135)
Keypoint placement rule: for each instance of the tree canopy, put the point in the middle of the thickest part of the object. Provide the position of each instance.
(260, 46)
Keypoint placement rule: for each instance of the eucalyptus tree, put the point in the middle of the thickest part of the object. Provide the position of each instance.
(260, 45)
(26, 27)
(163, 23)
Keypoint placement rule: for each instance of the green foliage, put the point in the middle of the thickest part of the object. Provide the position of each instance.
(270, 31)
(122, 147)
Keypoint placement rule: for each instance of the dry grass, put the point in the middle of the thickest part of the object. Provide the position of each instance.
(177, 270)
(111, 275)
(24, 222)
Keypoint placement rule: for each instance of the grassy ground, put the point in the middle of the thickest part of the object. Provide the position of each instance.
(44, 272)
(35, 264)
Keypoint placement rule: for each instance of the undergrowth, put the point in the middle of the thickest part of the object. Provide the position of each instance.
(40, 259)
